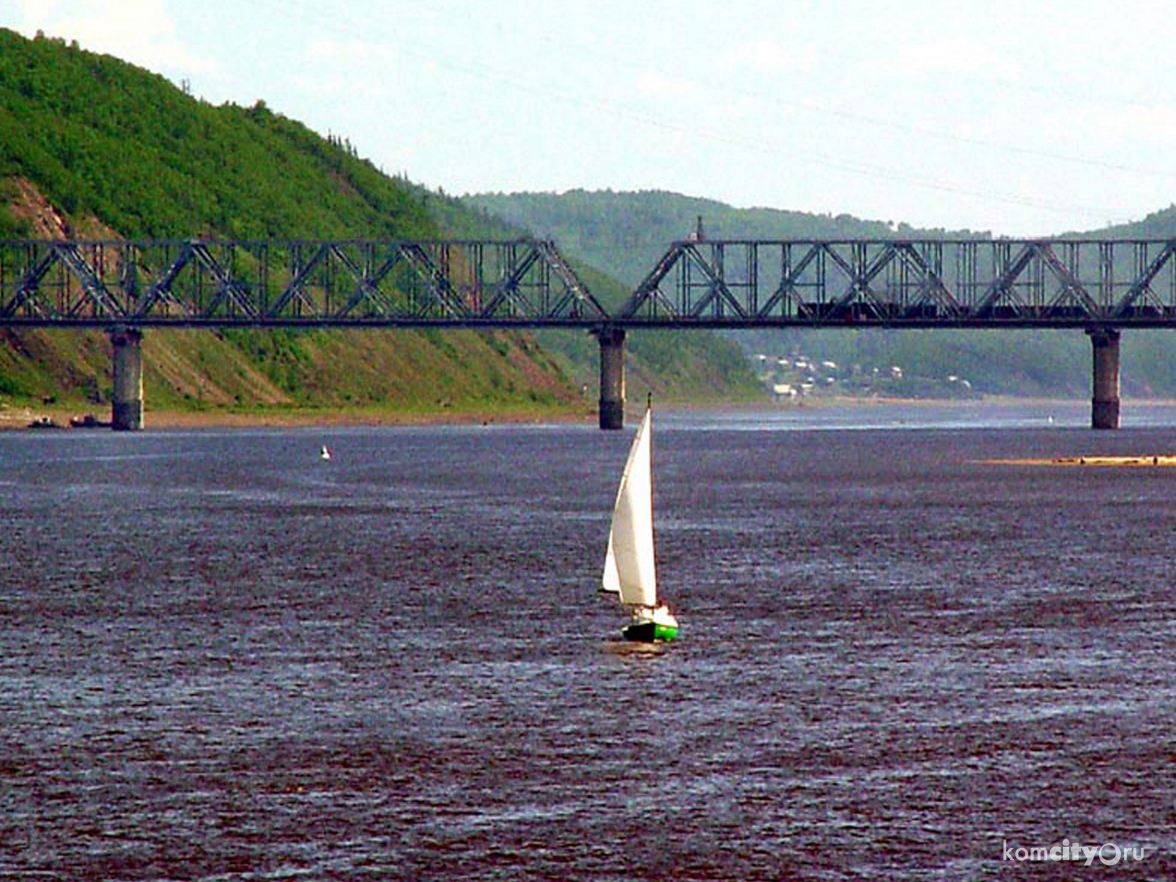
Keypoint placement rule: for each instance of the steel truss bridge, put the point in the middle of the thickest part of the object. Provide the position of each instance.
(905, 283)
(284, 283)
(528, 283)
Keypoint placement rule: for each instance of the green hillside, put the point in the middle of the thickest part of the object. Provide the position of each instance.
(624, 234)
(92, 147)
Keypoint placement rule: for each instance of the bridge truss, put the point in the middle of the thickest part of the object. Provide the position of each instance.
(899, 283)
(291, 283)
(528, 283)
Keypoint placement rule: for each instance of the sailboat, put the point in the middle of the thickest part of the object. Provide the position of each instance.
(324, 453)
(629, 567)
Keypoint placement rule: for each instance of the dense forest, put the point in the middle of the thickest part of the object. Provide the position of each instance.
(92, 147)
(624, 234)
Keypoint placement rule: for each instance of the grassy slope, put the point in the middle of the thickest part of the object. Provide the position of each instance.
(93, 147)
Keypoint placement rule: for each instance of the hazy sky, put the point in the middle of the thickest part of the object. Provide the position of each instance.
(1022, 118)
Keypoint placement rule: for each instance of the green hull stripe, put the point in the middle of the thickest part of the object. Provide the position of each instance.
(662, 632)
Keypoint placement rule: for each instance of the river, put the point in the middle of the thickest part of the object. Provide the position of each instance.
(224, 658)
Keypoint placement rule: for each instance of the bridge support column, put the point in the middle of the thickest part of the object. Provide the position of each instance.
(127, 401)
(1104, 403)
(612, 377)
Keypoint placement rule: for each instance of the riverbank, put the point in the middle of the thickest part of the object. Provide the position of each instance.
(20, 417)
(181, 420)
(14, 417)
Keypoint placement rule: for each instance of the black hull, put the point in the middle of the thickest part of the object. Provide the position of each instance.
(645, 632)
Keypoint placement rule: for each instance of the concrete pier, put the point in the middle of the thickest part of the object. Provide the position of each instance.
(127, 401)
(1104, 403)
(612, 377)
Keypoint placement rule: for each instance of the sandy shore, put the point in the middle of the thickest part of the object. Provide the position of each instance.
(15, 418)
(181, 420)
(1120, 461)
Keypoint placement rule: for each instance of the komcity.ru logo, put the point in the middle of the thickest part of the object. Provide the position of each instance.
(1108, 854)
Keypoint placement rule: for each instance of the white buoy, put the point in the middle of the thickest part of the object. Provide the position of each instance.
(324, 453)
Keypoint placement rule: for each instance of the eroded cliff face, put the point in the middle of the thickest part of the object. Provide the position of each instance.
(76, 363)
(202, 369)
(29, 206)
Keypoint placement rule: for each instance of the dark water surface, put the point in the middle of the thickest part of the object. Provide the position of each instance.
(222, 658)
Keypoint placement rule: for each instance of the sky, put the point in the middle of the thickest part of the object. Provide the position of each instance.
(1024, 118)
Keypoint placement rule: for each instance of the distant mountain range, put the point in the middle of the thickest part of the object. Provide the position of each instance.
(625, 233)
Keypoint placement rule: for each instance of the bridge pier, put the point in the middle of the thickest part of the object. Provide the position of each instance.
(126, 403)
(612, 377)
(1104, 403)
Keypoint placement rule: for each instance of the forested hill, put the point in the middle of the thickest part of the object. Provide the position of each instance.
(93, 147)
(624, 234)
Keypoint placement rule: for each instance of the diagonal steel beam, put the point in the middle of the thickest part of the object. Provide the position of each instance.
(717, 291)
(506, 291)
(160, 290)
(861, 279)
(1003, 284)
(95, 293)
(1071, 289)
(1142, 284)
(437, 282)
(787, 289)
(649, 291)
(24, 297)
(295, 290)
(229, 289)
(367, 284)
(931, 285)
(576, 293)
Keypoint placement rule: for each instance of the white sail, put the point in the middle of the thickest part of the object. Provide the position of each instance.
(629, 563)
(611, 581)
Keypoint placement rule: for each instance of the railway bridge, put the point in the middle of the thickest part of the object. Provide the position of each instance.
(1099, 286)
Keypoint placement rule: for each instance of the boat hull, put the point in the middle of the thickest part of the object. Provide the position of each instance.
(649, 632)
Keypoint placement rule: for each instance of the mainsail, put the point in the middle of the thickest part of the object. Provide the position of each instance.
(629, 563)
